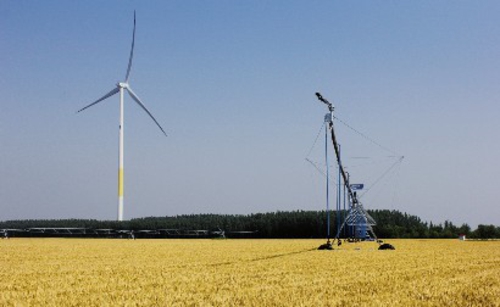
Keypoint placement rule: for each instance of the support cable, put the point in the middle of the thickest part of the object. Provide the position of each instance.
(367, 138)
(383, 175)
(315, 165)
(315, 140)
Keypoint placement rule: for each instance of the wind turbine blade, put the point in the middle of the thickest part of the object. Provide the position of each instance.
(131, 53)
(134, 96)
(111, 93)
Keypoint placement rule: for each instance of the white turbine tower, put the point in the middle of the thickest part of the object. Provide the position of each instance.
(121, 87)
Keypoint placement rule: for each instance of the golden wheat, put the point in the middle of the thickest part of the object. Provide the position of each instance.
(106, 272)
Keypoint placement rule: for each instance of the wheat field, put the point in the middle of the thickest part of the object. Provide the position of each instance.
(175, 272)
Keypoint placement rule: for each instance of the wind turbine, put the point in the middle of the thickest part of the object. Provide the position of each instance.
(120, 88)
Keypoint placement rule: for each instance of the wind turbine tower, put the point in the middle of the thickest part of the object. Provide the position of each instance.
(120, 88)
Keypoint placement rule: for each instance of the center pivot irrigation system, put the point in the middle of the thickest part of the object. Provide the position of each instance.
(357, 219)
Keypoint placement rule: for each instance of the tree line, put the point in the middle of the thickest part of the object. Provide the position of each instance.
(280, 224)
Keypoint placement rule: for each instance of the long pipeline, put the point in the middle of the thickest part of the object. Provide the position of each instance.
(336, 147)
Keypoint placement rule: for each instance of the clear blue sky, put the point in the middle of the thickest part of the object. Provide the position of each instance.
(233, 83)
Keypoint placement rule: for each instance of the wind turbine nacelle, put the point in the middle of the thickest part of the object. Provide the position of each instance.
(122, 85)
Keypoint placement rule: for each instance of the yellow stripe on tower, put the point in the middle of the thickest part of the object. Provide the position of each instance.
(120, 182)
